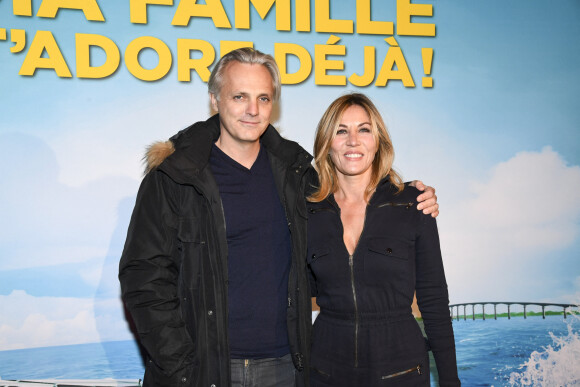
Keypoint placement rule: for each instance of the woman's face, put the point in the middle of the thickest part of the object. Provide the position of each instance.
(353, 148)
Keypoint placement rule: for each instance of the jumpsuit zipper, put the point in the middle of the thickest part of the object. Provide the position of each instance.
(351, 264)
(353, 286)
(394, 204)
(401, 373)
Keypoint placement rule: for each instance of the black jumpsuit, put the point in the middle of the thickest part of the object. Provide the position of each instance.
(365, 334)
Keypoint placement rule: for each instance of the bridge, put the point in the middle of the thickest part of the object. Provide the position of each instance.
(509, 304)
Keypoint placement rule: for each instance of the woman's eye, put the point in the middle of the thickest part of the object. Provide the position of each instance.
(365, 130)
(341, 131)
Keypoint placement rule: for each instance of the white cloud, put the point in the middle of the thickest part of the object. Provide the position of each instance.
(524, 213)
(28, 322)
(530, 190)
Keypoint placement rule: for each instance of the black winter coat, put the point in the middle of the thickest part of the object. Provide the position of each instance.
(365, 334)
(173, 270)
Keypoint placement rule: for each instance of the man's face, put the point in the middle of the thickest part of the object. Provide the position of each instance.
(245, 103)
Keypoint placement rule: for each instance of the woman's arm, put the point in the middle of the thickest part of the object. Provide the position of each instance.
(433, 301)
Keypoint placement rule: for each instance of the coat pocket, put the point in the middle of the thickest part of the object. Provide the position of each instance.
(155, 377)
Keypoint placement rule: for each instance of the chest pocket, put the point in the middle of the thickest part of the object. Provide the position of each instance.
(317, 260)
(190, 250)
(389, 261)
(330, 269)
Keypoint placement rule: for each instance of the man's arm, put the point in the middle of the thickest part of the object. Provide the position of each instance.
(149, 274)
(427, 200)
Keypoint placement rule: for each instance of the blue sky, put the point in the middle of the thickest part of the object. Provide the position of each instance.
(497, 136)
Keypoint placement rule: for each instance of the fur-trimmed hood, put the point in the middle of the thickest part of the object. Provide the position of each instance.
(156, 153)
(186, 153)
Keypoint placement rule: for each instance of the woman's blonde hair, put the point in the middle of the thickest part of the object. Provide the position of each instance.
(325, 133)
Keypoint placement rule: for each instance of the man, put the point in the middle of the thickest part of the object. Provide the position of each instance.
(213, 270)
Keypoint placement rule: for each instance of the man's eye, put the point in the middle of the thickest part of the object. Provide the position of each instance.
(237, 97)
(265, 99)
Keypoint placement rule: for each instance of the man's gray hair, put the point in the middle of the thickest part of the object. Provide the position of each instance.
(244, 55)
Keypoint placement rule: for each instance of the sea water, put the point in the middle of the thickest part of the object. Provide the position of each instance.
(502, 352)
(115, 359)
(518, 351)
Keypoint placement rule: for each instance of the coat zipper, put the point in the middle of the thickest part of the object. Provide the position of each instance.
(293, 264)
(401, 373)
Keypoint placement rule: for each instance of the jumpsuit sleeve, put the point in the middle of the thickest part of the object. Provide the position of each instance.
(148, 273)
(433, 301)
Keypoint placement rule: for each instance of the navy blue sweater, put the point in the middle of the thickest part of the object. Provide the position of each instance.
(259, 256)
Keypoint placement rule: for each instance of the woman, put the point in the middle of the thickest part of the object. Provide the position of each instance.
(369, 252)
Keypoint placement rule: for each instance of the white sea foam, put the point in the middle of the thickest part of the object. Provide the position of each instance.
(555, 365)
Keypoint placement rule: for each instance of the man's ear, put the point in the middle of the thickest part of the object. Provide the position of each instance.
(214, 102)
